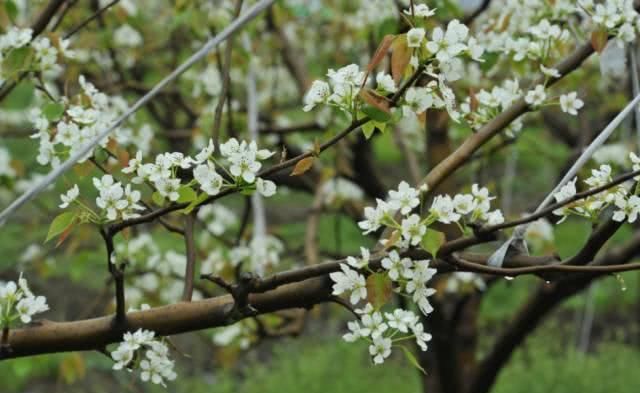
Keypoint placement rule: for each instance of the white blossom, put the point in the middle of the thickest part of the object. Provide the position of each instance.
(380, 349)
(413, 229)
(443, 209)
(349, 280)
(415, 37)
(421, 11)
(405, 199)
(536, 97)
(69, 196)
(570, 103)
(628, 208)
(266, 188)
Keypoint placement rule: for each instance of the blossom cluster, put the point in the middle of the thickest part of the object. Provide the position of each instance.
(242, 159)
(463, 209)
(381, 330)
(618, 17)
(569, 103)
(442, 54)
(141, 349)
(64, 127)
(527, 33)
(408, 277)
(623, 198)
(121, 201)
(485, 105)
(18, 302)
(46, 52)
(113, 200)
(342, 89)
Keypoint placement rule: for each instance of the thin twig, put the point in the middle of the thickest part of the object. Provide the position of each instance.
(90, 19)
(544, 212)
(226, 83)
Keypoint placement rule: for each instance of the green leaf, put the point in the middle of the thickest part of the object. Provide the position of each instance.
(376, 114)
(12, 9)
(368, 128)
(186, 194)
(201, 198)
(100, 154)
(53, 111)
(60, 224)
(490, 59)
(18, 60)
(432, 241)
(412, 359)
(396, 115)
(157, 198)
(20, 97)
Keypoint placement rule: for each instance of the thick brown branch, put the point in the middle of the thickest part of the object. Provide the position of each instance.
(52, 337)
(464, 152)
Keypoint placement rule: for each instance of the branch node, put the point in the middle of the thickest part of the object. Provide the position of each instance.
(240, 291)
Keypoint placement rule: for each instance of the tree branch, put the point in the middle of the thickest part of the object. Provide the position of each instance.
(190, 248)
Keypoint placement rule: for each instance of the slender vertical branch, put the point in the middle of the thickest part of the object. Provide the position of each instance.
(226, 82)
(118, 276)
(190, 246)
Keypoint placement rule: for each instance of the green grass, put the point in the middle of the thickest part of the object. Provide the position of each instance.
(539, 370)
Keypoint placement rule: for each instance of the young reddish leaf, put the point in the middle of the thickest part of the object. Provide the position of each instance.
(379, 289)
(400, 57)
(83, 169)
(422, 117)
(126, 233)
(599, 40)
(123, 157)
(63, 236)
(393, 239)
(504, 23)
(474, 100)
(112, 145)
(372, 98)
(379, 54)
(302, 166)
